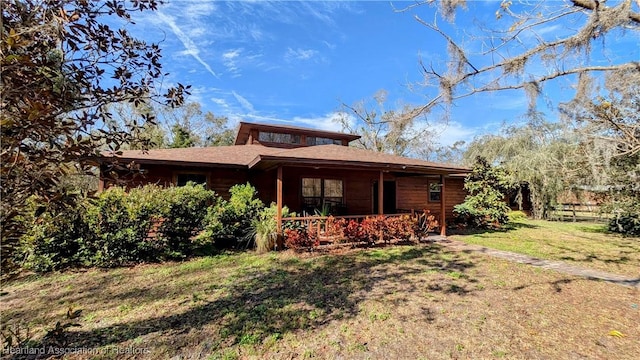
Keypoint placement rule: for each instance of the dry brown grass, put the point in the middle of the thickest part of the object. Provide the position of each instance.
(405, 302)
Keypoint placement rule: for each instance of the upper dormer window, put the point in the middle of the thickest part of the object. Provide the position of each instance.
(280, 138)
(315, 140)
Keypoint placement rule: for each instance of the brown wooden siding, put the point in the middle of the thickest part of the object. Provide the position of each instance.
(221, 180)
(413, 193)
(454, 194)
(218, 180)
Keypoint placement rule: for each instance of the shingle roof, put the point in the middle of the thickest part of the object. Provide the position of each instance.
(250, 156)
(234, 155)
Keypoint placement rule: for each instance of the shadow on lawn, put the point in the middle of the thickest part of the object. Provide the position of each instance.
(619, 257)
(294, 295)
(506, 228)
(555, 285)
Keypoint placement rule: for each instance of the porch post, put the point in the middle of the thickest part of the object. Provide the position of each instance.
(279, 200)
(443, 221)
(381, 194)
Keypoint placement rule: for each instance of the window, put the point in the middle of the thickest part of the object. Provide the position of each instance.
(311, 187)
(278, 138)
(317, 193)
(434, 191)
(332, 188)
(183, 179)
(313, 140)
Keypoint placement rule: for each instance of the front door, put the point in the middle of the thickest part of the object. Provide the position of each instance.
(388, 197)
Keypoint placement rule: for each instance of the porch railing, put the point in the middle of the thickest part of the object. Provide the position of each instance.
(318, 224)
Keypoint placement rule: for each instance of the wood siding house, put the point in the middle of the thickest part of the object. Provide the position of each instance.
(304, 169)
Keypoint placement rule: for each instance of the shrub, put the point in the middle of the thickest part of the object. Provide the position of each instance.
(228, 223)
(425, 223)
(55, 237)
(373, 229)
(120, 224)
(401, 227)
(300, 239)
(118, 228)
(626, 223)
(485, 206)
(516, 215)
(183, 212)
(335, 228)
(353, 231)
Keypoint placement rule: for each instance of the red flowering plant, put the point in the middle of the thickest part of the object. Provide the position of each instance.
(401, 227)
(298, 237)
(353, 231)
(373, 228)
(335, 228)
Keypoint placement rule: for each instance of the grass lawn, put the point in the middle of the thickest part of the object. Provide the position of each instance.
(404, 302)
(584, 244)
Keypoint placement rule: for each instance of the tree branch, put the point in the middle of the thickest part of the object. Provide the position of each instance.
(594, 5)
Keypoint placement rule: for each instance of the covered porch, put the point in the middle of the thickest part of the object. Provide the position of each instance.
(358, 192)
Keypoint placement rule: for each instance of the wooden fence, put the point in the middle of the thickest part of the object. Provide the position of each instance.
(579, 212)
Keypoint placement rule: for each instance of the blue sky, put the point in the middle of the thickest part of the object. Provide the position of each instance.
(295, 62)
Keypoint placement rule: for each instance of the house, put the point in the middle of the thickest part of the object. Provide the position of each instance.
(304, 169)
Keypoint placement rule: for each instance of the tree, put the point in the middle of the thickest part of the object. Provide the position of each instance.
(611, 126)
(182, 137)
(175, 126)
(509, 54)
(392, 131)
(549, 157)
(484, 207)
(613, 113)
(518, 51)
(188, 120)
(62, 64)
(123, 115)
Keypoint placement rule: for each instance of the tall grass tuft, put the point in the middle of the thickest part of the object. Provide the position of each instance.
(264, 228)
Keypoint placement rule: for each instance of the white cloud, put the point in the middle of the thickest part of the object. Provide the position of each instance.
(231, 54)
(452, 132)
(229, 60)
(197, 31)
(329, 45)
(246, 105)
(300, 54)
(196, 9)
(327, 122)
(190, 46)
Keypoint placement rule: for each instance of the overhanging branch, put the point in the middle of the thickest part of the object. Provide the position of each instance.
(594, 5)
